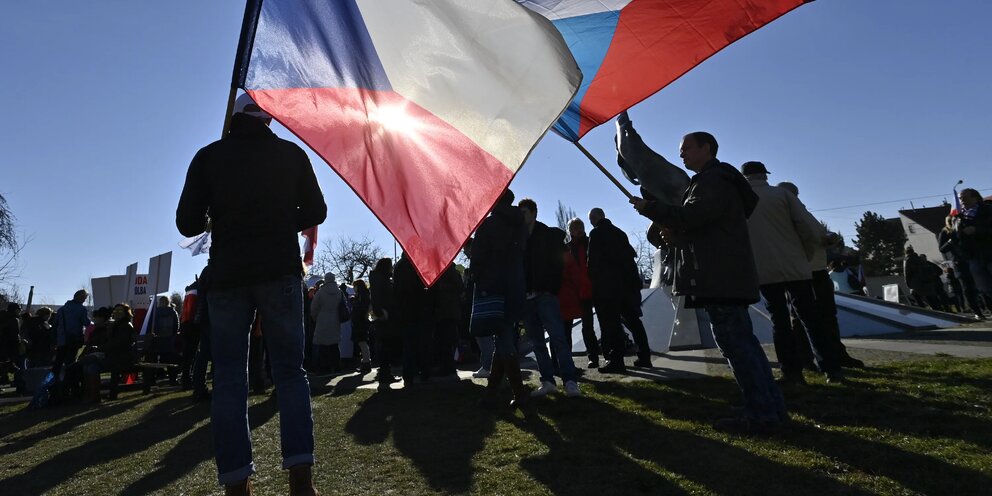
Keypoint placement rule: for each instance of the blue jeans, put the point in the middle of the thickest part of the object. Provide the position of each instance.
(734, 335)
(541, 314)
(232, 311)
(981, 271)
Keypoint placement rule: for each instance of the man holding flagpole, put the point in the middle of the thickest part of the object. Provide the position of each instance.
(259, 191)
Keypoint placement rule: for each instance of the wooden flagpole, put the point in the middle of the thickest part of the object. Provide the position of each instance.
(603, 169)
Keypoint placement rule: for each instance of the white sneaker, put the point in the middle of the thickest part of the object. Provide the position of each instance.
(572, 389)
(546, 387)
(482, 373)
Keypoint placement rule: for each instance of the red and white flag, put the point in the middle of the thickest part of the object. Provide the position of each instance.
(309, 244)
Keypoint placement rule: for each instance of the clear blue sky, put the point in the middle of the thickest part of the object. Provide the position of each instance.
(104, 104)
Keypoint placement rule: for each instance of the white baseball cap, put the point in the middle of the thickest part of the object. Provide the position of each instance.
(245, 105)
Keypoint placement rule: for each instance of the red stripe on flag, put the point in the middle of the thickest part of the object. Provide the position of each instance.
(428, 183)
(657, 41)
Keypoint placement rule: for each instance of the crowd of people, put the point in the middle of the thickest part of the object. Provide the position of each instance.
(962, 283)
(732, 241)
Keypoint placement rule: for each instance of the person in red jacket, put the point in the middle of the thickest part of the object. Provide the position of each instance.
(577, 273)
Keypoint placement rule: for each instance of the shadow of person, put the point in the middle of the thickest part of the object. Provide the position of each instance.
(166, 420)
(438, 429)
(628, 453)
(193, 449)
(855, 404)
(68, 420)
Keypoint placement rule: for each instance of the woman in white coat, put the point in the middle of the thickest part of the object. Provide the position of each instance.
(327, 326)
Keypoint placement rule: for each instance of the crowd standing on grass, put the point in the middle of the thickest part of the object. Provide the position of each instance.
(734, 240)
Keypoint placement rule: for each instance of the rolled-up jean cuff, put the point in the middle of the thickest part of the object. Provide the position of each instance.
(295, 460)
(236, 475)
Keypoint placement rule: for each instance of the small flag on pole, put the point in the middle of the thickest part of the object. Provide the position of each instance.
(309, 244)
(197, 244)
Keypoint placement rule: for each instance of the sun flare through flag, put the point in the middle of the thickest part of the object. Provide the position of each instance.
(426, 109)
(630, 49)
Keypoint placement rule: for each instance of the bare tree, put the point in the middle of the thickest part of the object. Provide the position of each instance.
(563, 215)
(348, 258)
(10, 248)
(645, 254)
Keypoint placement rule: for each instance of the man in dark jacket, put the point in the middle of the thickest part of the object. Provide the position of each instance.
(413, 317)
(714, 269)
(498, 266)
(616, 292)
(543, 264)
(259, 192)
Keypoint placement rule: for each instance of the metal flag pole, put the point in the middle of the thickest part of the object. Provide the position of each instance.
(245, 42)
(603, 169)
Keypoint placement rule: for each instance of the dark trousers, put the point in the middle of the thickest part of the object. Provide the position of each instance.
(191, 341)
(418, 349)
(963, 271)
(66, 354)
(387, 346)
(588, 331)
(799, 295)
(445, 339)
(613, 315)
(199, 373)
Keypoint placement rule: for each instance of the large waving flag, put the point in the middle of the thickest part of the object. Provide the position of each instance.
(426, 108)
(630, 49)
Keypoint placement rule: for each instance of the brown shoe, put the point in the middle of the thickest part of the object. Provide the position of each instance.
(242, 488)
(301, 481)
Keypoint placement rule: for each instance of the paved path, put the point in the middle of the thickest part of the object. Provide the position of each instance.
(921, 348)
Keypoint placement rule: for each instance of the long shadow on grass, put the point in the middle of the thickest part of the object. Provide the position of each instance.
(69, 419)
(194, 449)
(832, 406)
(166, 420)
(598, 448)
(439, 429)
(862, 404)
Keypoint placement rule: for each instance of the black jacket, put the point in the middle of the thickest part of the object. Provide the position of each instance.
(612, 264)
(498, 258)
(544, 259)
(445, 295)
(259, 191)
(713, 260)
(410, 304)
(381, 293)
(977, 245)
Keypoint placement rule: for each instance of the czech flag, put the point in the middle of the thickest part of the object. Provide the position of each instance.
(309, 245)
(630, 49)
(426, 108)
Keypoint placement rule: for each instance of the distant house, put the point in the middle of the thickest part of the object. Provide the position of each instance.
(922, 226)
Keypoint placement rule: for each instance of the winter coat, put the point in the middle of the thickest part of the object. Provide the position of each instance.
(166, 321)
(260, 191)
(360, 310)
(446, 294)
(579, 247)
(324, 311)
(381, 292)
(979, 244)
(612, 264)
(543, 259)
(784, 235)
(70, 321)
(10, 335)
(497, 263)
(570, 293)
(119, 350)
(411, 303)
(713, 259)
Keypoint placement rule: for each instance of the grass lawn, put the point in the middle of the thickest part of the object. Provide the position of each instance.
(916, 427)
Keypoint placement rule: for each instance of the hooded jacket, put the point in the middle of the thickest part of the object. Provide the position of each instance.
(324, 312)
(259, 191)
(713, 260)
